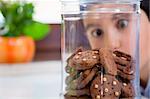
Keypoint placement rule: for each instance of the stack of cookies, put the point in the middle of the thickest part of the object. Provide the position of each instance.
(99, 74)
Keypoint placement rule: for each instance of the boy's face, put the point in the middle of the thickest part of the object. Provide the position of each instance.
(111, 30)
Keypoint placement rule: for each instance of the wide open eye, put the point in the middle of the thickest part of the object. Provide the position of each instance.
(97, 32)
(122, 23)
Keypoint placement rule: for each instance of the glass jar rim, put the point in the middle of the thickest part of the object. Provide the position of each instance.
(102, 1)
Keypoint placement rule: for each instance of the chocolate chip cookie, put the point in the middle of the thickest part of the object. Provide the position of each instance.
(78, 93)
(125, 76)
(84, 78)
(122, 55)
(127, 90)
(84, 60)
(107, 61)
(105, 87)
(75, 97)
(100, 74)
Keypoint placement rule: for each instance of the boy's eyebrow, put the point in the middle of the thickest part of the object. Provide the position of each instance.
(90, 26)
(119, 15)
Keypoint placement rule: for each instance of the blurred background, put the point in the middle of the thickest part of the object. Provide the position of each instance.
(41, 77)
(48, 11)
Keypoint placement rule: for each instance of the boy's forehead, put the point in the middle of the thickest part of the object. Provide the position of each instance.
(105, 16)
(98, 11)
(101, 7)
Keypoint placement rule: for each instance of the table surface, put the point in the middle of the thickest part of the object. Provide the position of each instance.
(37, 80)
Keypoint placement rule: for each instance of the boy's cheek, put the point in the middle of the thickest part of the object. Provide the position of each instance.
(144, 39)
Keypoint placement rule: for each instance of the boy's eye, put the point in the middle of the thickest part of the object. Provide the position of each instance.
(123, 23)
(97, 33)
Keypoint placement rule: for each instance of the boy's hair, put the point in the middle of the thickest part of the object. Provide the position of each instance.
(145, 5)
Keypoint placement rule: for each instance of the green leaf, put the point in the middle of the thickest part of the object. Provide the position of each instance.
(19, 20)
(36, 30)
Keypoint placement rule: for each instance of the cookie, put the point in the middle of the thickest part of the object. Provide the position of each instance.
(127, 90)
(78, 93)
(71, 77)
(122, 55)
(125, 65)
(73, 74)
(100, 74)
(69, 69)
(105, 87)
(120, 61)
(75, 97)
(84, 60)
(84, 78)
(107, 61)
(80, 49)
(125, 76)
(129, 70)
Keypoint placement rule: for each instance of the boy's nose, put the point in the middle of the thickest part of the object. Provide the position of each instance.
(113, 42)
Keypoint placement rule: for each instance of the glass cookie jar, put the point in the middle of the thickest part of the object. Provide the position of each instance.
(100, 49)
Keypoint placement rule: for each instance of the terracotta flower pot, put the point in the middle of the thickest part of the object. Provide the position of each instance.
(16, 49)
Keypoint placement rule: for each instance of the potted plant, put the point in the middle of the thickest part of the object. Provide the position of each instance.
(18, 31)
